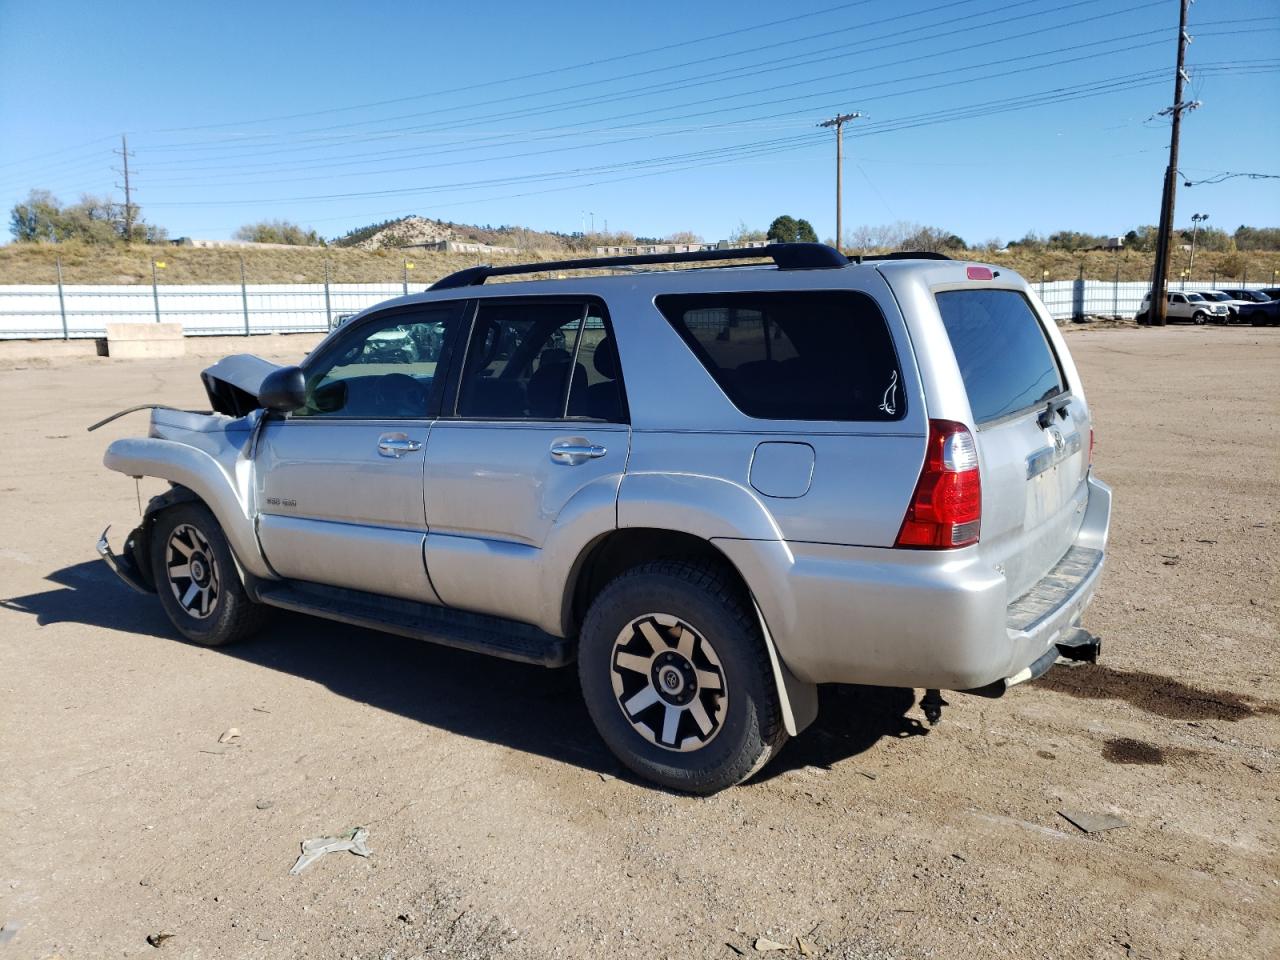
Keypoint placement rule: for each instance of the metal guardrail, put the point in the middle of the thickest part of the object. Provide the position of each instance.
(62, 311)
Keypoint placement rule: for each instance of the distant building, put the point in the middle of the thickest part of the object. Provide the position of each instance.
(639, 249)
(240, 244)
(458, 246)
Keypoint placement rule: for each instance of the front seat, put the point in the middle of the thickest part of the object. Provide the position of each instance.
(604, 399)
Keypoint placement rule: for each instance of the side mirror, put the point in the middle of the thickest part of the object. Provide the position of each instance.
(283, 390)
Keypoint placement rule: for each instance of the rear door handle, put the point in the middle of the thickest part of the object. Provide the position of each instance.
(574, 452)
(397, 445)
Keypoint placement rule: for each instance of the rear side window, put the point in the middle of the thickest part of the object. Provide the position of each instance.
(1005, 358)
(794, 355)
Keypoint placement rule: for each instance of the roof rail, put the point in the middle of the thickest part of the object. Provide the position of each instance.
(903, 255)
(788, 256)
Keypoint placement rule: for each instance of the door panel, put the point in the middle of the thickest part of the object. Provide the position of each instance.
(335, 509)
(494, 493)
(339, 481)
(516, 475)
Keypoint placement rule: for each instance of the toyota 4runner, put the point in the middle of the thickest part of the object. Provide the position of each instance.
(714, 489)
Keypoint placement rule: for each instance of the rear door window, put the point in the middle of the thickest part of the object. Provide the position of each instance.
(540, 359)
(794, 355)
(1005, 358)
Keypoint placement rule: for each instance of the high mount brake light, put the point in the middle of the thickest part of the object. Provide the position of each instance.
(979, 273)
(946, 508)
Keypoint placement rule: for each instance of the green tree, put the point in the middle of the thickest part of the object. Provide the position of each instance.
(805, 232)
(782, 230)
(278, 231)
(744, 234)
(1257, 238)
(36, 219)
(42, 218)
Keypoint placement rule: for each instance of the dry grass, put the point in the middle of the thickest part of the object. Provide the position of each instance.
(81, 263)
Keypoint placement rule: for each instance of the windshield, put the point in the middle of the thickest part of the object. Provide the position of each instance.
(1215, 296)
(1195, 298)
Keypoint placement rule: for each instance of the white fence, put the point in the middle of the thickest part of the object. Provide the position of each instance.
(74, 311)
(38, 311)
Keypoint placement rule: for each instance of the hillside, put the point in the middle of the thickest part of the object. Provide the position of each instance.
(408, 231)
(83, 263)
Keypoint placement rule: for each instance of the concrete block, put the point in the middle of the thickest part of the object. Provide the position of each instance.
(132, 341)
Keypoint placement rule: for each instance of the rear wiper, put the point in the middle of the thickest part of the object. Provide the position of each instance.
(1058, 405)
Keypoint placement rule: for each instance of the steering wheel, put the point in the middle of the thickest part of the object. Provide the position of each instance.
(398, 394)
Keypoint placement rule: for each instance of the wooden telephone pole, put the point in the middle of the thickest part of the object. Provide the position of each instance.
(1158, 310)
(838, 122)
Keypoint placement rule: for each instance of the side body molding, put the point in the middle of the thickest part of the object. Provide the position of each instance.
(226, 492)
(725, 514)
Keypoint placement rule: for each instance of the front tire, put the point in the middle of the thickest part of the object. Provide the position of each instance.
(196, 578)
(676, 677)
(1198, 318)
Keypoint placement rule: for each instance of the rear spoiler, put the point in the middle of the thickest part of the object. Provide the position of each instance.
(233, 383)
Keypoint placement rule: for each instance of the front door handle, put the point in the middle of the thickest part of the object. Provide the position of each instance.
(397, 445)
(574, 452)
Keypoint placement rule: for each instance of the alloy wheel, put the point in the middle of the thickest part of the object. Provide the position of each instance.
(192, 571)
(669, 683)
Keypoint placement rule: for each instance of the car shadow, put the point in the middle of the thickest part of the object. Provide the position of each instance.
(526, 708)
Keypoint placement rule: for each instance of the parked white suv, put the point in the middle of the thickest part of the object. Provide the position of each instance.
(1191, 307)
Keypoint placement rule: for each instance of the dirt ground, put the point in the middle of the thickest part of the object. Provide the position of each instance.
(500, 826)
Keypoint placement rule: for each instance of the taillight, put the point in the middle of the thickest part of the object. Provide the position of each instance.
(946, 508)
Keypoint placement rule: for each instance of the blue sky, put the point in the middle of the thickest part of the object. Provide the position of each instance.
(654, 117)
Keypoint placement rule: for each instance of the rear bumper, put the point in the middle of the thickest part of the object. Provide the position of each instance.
(918, 618)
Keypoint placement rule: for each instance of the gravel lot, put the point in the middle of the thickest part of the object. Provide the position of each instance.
(500, 826)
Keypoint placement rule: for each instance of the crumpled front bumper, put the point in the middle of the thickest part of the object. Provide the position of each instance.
(125, 565)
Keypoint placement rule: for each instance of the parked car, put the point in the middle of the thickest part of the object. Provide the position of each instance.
(1261, 314)
(715, 489)
(1190, 307)
(1245, 295)
(1233, 305)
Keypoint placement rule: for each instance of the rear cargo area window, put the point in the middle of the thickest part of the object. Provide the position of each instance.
(794, 355)
(1005, 358)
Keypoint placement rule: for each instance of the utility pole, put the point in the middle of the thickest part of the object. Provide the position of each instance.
(1158, 311)
(1197, 219)
(838, 121)
(128, 192)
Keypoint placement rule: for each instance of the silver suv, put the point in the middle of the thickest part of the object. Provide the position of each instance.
(715, 489)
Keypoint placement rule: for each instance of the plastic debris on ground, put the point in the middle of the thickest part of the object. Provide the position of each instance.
(1092, 822)
(313, 850)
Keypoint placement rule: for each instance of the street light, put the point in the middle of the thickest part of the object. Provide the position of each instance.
(1196, 220)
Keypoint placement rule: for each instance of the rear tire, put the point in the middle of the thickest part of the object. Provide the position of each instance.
(197, 580)
(676, 677)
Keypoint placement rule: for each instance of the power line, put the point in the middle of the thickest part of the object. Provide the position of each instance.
(1003, 104)
(561, 133)
(686, 83)
(528, 76)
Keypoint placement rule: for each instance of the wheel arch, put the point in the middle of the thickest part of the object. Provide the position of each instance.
(610, 554)
(196, 477)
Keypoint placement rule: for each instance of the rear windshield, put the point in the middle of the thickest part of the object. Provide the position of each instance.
(1005, 359)
(794, 355)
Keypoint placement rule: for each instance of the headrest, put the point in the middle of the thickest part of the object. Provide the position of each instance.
(606, 359)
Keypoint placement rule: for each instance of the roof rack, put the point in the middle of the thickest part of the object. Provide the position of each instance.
(788, 256)
(903, 255)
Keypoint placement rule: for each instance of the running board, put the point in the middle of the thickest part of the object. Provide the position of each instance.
(447, 626)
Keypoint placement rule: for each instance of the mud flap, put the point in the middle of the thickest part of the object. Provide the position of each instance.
(799, 700)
